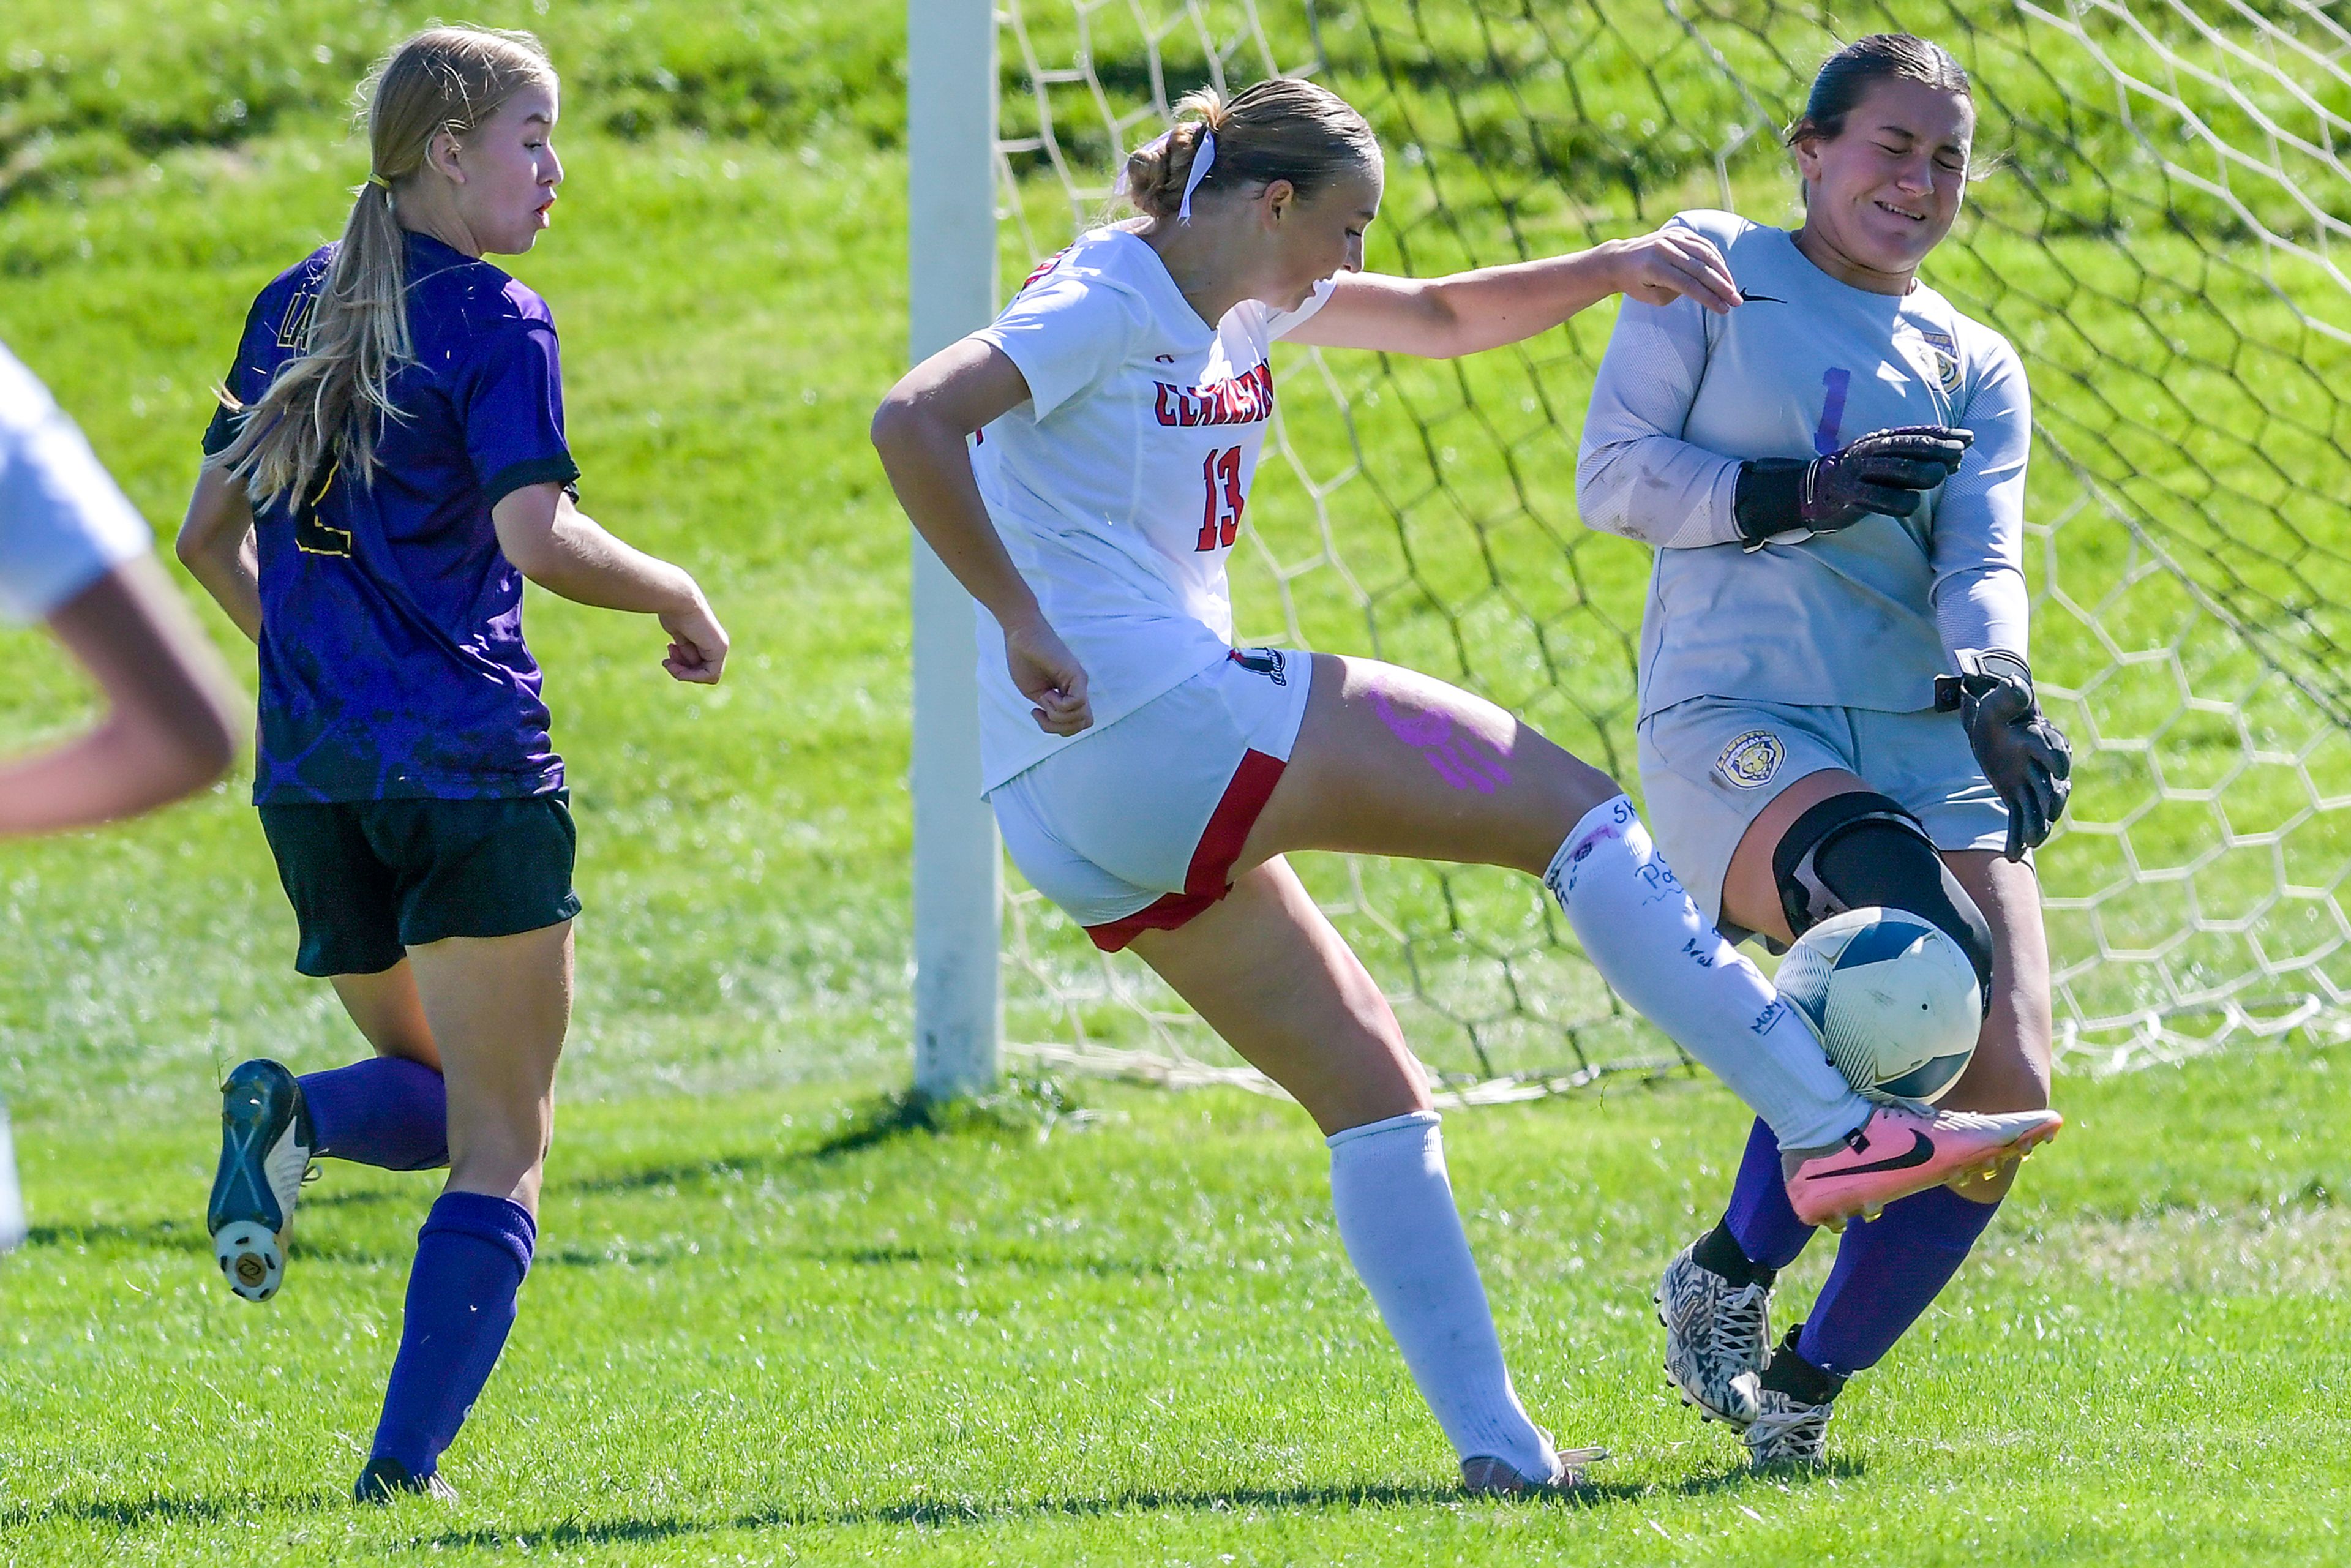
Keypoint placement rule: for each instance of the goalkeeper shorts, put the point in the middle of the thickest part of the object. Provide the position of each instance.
(1710, 765)
(1135, 827)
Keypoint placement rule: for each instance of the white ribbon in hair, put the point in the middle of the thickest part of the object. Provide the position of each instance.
(1202, 158)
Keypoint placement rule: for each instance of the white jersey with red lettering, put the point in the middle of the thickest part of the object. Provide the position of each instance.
(1119, 488)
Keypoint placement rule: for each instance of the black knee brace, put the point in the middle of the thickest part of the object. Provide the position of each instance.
(1853, 850)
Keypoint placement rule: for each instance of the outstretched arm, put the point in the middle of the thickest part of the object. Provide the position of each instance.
(921, 431)
(1465, 312)
(172, 723)
(1635, 474)
(561, 549)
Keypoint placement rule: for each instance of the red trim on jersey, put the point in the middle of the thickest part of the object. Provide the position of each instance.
(1208, 878)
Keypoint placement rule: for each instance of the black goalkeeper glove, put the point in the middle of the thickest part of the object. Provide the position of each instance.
(1882, 472)
(2025, 757)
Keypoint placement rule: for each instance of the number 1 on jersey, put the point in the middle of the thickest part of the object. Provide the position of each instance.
(1220, 513)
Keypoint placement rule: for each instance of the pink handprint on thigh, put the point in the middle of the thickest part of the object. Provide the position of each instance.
(1448, 750)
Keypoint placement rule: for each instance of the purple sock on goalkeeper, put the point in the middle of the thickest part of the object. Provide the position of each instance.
(385, 1111)
(1760, 1216)
(1888, 1272)
(1651, 944)
(471, 1259)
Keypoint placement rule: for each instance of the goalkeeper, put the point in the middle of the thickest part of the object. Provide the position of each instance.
(1835, 706)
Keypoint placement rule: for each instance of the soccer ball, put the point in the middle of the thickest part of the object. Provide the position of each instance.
(1892, 998)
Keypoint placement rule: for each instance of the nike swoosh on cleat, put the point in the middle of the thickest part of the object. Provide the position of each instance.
(1920, 1153)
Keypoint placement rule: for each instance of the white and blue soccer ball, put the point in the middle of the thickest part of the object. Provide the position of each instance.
(1892, 998)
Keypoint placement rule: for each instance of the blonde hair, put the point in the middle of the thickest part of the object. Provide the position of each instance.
(324, 407)
(1282, 127)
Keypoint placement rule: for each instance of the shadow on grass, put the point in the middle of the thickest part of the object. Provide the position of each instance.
(941, 1513)
(189, 1235)
(1032, 1108)
(155, 1509)
(158, 1508)
(964, 1259)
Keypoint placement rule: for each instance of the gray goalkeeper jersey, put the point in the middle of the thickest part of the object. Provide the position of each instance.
(1863, 617)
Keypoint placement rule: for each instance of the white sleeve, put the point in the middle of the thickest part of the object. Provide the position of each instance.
(1065, 333)
(63, 523)
(1280, 324)
(1635, 474)
(1981, 600)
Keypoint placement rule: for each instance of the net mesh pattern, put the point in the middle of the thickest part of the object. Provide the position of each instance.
(2164, 238)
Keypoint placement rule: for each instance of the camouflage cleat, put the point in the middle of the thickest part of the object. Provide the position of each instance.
(266, 1144)
(1718, 1333)
(1904, 1148)
(1793, 1401)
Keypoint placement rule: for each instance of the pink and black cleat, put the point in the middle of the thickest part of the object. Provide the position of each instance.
(1905, 1148)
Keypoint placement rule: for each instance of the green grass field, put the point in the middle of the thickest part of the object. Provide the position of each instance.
(766, 1328)
(757, 1332)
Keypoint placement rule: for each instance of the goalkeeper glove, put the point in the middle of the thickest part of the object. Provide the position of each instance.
(2025, 757)
(1884, 473)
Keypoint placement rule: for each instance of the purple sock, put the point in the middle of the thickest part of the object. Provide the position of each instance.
(471, 1258)
(1886, 1272)
(1760, 1215)
(385, 1110)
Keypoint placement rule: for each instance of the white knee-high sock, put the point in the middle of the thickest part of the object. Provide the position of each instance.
(1395, 1205)
(1651, 943)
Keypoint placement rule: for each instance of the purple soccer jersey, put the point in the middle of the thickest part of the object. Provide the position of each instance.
(392, 660)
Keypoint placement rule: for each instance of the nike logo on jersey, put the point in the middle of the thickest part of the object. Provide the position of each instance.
(1243, 400)
(1921, 1151)
(1748, 299)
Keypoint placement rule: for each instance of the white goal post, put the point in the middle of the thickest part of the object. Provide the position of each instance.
(951, 279)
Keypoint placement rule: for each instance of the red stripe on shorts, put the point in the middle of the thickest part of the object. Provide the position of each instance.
(1209, 877)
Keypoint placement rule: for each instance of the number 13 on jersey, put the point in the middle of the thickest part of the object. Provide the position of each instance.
(1220, 513)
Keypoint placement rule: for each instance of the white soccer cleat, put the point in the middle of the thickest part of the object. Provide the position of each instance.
(1717, 1334)
(1482, 1475)
(266, 1144)
(1904, 1148)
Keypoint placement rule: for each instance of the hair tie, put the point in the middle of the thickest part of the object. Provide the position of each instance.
(378, 181)
(1202, 158)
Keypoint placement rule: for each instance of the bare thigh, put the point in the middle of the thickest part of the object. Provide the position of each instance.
(1391, 762)
(388, 1012)
(1270, 974)
(498, 1006)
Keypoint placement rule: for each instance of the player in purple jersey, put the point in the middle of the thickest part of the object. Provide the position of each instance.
(388, 465)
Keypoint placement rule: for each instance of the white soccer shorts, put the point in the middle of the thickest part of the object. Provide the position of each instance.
(1710, 765)
(1135, 827)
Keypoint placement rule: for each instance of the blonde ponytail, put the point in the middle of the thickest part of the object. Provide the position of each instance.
(1283, 127)
(325, 407)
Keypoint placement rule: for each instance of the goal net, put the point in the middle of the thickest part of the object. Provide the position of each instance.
(2164, 238)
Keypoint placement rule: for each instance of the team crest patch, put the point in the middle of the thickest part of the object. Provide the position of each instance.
(1942, 358)
(1752, 760)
